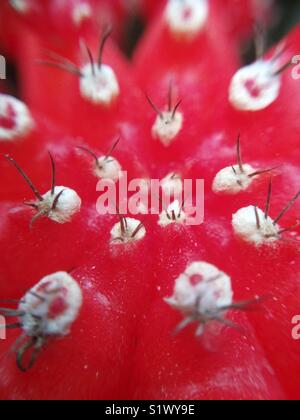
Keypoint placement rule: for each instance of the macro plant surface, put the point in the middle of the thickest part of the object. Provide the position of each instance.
(147, 306)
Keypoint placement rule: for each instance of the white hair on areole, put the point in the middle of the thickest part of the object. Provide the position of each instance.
(128, 230)
(173, 214)
(252, 225)
(81, 12)
(68, 204)
(99, 84)
(172, 184)
(19, 119)
(255, 86)
(108, 167)
(231, 180)
(51, 306)
(167, 126)
(202, 293)
(186, 17)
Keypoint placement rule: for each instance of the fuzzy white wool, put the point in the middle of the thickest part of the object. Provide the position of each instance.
(37, 306)
(144, 185)
(186, 17)
(172, 184)
(22, 119)
(131, 226)
(81, 12)
(231, 181)
(255, 87)
(167, 126)
(173, 214)
(244, 223)
(202, 291)
(68, 204)
(99, 85)
(108, 168)
(20, 6)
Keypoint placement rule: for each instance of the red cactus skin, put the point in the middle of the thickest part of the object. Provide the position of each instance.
(241, 16)
(280, 294)
(125, 343)
(181, 63)
(282, 304)
(158, 375)
(108, 295)
(174, 59)
(177, 368)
